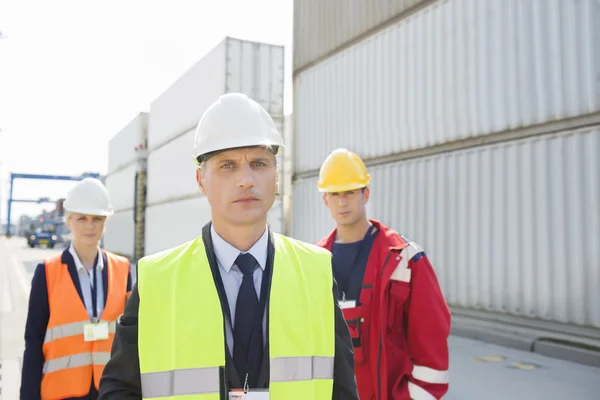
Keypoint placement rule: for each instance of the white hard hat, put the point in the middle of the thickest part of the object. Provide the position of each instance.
(233, 121)
(89, 196)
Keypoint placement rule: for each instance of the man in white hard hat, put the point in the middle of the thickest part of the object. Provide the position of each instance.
(240, 308)
(75, 300)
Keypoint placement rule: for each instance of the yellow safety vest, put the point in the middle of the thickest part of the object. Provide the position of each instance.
(181, 346)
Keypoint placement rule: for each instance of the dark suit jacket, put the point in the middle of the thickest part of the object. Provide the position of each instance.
(37, 322)
(121, 378)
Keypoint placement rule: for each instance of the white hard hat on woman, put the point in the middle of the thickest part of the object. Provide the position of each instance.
(89, 196)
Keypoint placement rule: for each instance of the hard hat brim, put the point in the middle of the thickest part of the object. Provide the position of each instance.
(90, 211)
(347, 187)
(237, 144)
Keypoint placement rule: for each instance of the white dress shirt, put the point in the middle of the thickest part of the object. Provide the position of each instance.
(232, 277)
(86, 281)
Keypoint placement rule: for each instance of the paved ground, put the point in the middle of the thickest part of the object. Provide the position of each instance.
(17, 264)
(478, 370)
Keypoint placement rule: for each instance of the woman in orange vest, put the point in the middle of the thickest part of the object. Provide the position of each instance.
(75, 300)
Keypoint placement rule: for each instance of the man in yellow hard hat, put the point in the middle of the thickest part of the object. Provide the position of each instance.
(239, 307)
(388, 290)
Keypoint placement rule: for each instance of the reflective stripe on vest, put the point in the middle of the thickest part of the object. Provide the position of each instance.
(72, 329)
(181, 355)
(206, 380)
(76, 360)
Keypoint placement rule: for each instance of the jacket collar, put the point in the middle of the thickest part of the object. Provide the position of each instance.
(393, 240)
(227, 254)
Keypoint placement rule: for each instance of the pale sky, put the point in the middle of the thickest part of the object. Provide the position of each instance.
(74, 73)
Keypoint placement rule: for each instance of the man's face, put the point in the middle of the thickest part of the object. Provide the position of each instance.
(347, 208)
(240, 185)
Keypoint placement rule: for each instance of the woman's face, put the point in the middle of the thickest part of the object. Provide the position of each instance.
(87, 229)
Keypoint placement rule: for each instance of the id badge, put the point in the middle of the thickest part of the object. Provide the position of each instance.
(347, 304)
(251, 395)
(93, 332)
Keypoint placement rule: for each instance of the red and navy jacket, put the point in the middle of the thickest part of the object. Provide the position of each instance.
(401, 325)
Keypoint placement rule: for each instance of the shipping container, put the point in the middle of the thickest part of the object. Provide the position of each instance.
(454, 70)
(119, 236)
(121, 187)
(172, 169)
(286, 176)
(173, 223)
(322, 27)
(512, 227)
(122, 147)
(255, 69)
(275, 216)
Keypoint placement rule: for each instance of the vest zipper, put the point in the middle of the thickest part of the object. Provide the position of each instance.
(380, 345)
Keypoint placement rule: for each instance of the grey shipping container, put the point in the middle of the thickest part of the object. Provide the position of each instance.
(321, 27)
(512, 227)
(453, 71)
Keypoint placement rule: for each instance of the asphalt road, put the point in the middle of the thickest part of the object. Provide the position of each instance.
(478, 371)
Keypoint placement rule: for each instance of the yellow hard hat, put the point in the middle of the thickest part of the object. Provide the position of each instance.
(342, 171)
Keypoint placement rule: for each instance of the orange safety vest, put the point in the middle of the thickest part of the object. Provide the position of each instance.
(69, 361)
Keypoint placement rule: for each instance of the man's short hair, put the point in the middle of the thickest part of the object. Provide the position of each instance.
(202, 159)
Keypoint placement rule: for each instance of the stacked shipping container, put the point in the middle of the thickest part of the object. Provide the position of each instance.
(176, 210)
(480, 122)
(120, 182)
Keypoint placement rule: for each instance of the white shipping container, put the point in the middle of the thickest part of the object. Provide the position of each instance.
(512, 227)
(255, 69)
(172, 169)
(174, 223)
(275, 216)
(120, 233)
(454, 70)
(121, 187)
(321, 27)
(122, 147)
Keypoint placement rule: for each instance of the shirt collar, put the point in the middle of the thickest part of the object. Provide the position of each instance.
(227, 254)
(79, 265)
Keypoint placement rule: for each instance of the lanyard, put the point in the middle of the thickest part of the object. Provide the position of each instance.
(354, 264)
(94, 289)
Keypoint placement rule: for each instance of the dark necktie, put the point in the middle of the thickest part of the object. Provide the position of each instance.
(248, 343)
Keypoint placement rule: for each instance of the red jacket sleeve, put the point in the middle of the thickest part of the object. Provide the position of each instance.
(427, 330)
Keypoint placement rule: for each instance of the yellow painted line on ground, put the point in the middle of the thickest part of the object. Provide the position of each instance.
(488, 358)
(524, 366)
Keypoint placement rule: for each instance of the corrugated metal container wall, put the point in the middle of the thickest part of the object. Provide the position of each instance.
(255, 69)
(174, 223)
(172, 170)
(121, 148)
(275, 216)
(321, 27)
(120, 183)
(120, 233)
(512, 227)
(457, 69)
(121, 187)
